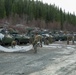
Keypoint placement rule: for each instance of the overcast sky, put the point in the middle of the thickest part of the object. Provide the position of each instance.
(68, 5)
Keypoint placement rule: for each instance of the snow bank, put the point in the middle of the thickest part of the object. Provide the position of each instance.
(16, 48)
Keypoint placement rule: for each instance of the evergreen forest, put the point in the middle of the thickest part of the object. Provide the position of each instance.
(36, 13)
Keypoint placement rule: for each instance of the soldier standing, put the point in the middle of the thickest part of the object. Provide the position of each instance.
(13, 43)
(67, 39)
(73, 39)
(37, 38)
(46, 40)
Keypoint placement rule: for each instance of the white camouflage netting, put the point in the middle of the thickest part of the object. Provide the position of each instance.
(16, 48)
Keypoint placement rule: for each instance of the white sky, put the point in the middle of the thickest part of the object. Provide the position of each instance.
(68, 5)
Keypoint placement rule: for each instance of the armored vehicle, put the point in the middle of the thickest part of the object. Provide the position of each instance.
(5, 39)
(21, 39)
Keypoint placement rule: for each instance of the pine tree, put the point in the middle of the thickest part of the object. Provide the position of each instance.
(2, 9)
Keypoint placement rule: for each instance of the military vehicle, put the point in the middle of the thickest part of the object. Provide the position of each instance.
(21, 39)
(60, 37)
(6, 40)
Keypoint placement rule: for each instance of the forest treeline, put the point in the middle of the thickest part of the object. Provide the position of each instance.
(30, 9)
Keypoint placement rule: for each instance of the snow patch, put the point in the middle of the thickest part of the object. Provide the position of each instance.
(52, 46)
(1, 36)
(16, 48)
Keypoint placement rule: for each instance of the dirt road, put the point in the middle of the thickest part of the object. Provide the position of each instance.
(55, 59)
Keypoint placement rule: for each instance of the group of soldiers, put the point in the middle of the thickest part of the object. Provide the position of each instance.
(46, 40)
(37, 41)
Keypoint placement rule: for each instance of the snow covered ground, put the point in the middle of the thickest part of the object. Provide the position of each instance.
(18, 48)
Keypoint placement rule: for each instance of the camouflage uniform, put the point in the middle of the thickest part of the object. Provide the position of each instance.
(13, 43)
(73, 39)
(46, 40)
(37, 39)
(68, 39)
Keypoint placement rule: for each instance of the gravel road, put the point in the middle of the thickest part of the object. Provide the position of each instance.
(56, 59)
